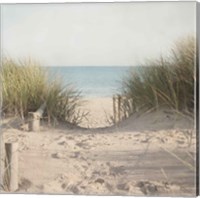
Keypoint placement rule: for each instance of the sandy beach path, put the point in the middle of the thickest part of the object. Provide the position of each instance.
(82, 162)
(100, 110)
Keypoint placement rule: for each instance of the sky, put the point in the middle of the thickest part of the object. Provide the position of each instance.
(94, 34)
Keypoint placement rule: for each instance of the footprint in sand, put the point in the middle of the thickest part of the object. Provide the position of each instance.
(74, 189)
(62, 143)
(75, 155)
(148, 188)
(99, 185)
(69, 138)
(123, 187)
(58, 138)
(58, 155)
(128, 188)
(99, 180)
(155, 188)
(83, 145)
(24, 184)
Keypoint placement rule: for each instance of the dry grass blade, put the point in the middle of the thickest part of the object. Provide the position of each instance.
(6, 176)
(187, 164)
(164, 173)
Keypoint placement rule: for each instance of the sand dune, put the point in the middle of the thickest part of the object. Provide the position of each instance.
(135, 157)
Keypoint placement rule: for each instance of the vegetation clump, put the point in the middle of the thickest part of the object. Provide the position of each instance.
(168, 81)
(26, 86)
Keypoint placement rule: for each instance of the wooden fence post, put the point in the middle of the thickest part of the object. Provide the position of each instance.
(119, 108)
(124, 107)
(34, 121)
(11, 166)
(34, 118)
(130, 101)
(114, 109)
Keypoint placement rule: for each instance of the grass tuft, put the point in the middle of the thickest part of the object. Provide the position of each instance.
(165, 82)
(26, 86)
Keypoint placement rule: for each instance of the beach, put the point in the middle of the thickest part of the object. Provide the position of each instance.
(98, 100)
(99, 112)
(149, 154)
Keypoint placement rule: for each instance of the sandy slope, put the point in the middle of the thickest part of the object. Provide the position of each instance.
(137, 157)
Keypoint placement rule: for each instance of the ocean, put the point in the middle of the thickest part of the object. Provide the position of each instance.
(101, 81)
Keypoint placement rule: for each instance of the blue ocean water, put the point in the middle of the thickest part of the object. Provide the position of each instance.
(101, 81)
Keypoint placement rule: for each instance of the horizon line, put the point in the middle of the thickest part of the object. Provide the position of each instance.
(90, 65)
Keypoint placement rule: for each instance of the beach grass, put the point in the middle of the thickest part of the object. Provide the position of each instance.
(166, 82)
(26, 86)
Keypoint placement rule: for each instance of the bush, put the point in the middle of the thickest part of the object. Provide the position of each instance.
(165, 82)
(25, 87)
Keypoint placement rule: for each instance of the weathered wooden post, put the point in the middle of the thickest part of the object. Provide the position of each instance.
(34, 121)
(119, 108)
(130, 103)
(124, 107)
(2, 160)
(114, 109)
(34, 118)
(11, 166)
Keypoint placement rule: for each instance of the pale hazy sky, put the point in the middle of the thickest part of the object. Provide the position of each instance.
(94, 33)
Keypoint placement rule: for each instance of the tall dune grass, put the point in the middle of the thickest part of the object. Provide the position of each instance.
(168, 81)
(25, 87)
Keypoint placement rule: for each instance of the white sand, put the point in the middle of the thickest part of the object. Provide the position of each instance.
(137, 157)
(100, 110)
